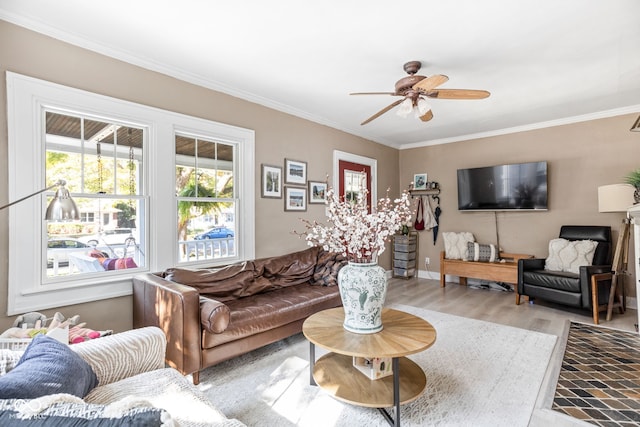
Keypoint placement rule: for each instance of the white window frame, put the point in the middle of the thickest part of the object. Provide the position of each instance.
(26, 99)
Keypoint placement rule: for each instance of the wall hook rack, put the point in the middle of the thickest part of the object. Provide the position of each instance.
(433, 190)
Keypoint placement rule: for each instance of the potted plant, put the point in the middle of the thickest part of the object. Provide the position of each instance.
(633, 178)
(360, 236)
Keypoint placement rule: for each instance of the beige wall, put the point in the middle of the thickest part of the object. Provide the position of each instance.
(278, 135)
(580, 156)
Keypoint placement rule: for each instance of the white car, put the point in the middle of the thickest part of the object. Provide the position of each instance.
(117, 236)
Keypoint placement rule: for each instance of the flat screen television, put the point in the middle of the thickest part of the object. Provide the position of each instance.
(521, 186)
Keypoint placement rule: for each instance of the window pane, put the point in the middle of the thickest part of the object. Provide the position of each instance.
(206, 230)
(82, 247)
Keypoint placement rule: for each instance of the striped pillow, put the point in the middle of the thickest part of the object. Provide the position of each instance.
(478, 252)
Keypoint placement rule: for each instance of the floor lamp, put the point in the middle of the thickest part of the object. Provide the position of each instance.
(61, 208)
(617, 198)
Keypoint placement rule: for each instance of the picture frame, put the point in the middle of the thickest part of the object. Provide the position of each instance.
(295, 172)
(317, 192)
(271, 182)
(295, 199)
(420, 181)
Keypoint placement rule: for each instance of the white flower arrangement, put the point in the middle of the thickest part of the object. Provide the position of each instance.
(358, 235)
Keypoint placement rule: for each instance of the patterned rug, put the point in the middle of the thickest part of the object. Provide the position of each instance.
(478, 374)
(599, 381)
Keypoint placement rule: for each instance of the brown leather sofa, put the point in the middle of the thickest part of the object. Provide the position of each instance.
(213, 314)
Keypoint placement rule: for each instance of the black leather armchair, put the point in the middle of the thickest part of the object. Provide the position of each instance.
(576, 290)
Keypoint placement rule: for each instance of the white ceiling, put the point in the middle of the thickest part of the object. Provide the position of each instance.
(544, 61)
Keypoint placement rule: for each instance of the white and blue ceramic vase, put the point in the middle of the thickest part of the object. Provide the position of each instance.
(363, 289)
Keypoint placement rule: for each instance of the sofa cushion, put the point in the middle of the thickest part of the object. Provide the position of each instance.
(222, 284)
(479, 252)
(325, 272)
(455, 244)
(47, 367)
(250, 316)
(290, 269)
(39, 412)
(569, 256)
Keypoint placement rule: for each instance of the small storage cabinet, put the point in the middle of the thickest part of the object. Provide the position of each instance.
(405, 253)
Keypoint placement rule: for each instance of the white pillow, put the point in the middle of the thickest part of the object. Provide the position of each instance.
(569, 256)
(455, 244)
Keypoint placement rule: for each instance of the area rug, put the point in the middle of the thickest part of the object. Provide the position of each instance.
(599, 381)
(478, 374)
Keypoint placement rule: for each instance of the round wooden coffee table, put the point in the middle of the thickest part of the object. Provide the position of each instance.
(402, 334)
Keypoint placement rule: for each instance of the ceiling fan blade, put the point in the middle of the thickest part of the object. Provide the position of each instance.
(373, 93)
(381, 112)
(457, 94)
(427, 116)
(430, 82)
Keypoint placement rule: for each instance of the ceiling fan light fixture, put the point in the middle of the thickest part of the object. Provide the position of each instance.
(422, 107)
(405, 108)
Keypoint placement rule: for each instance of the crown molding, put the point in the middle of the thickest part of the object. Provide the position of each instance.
(532, 126)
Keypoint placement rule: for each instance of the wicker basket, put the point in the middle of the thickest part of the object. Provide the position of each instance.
(15, 344)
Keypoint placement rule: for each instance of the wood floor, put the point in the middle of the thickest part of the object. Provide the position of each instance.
(499, 307)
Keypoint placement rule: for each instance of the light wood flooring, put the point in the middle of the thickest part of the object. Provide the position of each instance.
(499, 307)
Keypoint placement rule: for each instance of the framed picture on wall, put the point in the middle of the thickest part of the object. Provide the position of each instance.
(295, 172)
(317, 192)
(295, 199)
(420, 181)
(271, 182)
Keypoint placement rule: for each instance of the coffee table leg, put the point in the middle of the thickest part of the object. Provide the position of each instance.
(312, 362)
(395, 421)
(396, 389)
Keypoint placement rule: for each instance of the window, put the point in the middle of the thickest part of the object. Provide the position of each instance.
(206, 203)
(120, 161)
(101, 160)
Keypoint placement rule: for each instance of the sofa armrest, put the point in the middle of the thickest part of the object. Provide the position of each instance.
(174, 308)
(125, 354)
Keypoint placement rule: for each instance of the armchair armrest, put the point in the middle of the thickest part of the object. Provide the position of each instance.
(125, 354)
(586, 274)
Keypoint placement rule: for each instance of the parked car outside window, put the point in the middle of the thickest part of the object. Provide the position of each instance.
(215, 233)
(58, 248)
(118, 236)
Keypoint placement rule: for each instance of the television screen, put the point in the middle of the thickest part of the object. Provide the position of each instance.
(505, 187)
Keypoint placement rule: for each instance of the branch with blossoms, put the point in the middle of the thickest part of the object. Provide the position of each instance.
(354, 232)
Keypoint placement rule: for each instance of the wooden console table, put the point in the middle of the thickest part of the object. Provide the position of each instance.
(506, 271)
(402, 334)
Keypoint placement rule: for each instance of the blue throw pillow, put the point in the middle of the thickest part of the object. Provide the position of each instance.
(48, 367)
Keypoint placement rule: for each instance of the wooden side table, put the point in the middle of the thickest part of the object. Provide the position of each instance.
(402, 334)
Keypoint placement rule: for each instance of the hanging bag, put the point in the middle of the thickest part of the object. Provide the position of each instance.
(419, 223)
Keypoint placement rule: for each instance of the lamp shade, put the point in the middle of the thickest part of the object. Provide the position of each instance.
(615, 197)
(62, 207)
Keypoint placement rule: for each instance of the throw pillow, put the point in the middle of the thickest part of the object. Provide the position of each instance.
(48, 367)
(18, 413)
(478, 252)
(455, 244)
(569, 255)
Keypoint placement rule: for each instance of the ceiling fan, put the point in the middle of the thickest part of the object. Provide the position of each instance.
(414, 89)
